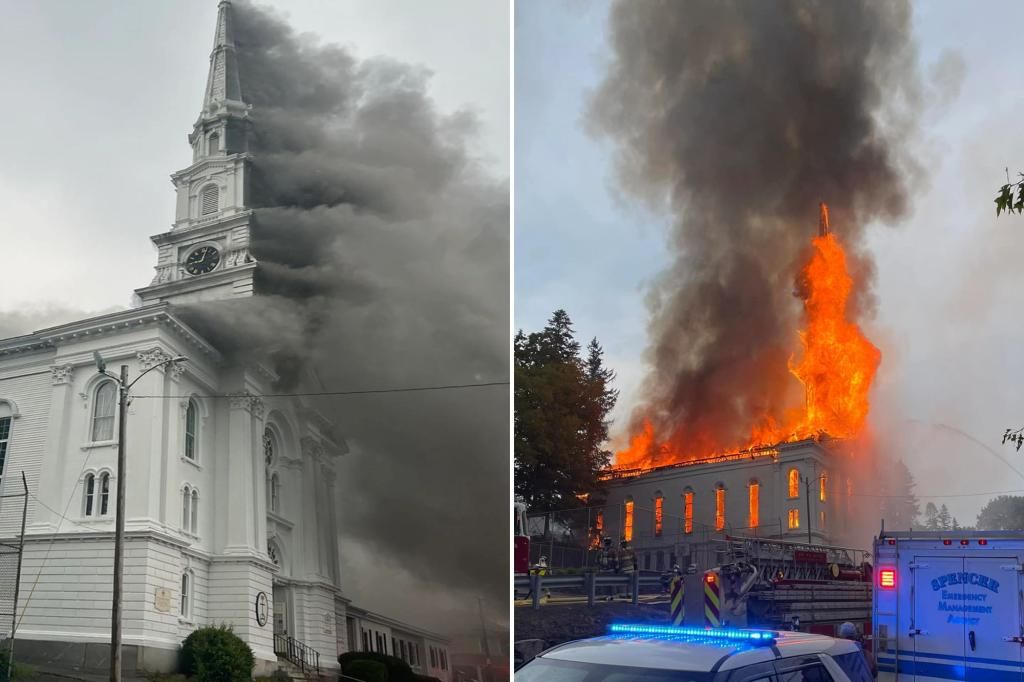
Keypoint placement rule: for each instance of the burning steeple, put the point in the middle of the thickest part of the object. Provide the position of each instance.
(823, 228)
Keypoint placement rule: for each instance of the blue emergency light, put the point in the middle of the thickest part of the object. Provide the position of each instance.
(766, 637)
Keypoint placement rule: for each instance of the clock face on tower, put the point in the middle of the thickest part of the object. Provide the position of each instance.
(202, 260)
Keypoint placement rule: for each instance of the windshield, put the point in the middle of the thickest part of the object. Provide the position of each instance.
(549, 670)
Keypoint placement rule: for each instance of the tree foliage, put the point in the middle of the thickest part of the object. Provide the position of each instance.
(900, 508)
(1005, 512)
(562, 402)
(216, 654)
(1011, 196)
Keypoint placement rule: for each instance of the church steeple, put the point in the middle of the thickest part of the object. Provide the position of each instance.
(223, 90)
(205, 255)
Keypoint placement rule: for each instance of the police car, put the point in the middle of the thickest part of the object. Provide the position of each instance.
(654, 653)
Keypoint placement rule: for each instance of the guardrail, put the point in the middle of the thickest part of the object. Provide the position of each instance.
(588, 582)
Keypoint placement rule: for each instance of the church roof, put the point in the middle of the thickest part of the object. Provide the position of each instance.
(101, 325)
(223, 87)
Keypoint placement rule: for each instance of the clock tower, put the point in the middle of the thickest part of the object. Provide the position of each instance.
(205, 255)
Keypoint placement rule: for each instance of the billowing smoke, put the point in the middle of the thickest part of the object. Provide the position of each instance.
(742, 117)
(384, 262)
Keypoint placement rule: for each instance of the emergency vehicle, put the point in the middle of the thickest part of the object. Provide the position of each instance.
(947, 605)
(664, 653)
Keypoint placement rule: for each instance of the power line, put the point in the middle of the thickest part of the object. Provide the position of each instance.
(314, 394)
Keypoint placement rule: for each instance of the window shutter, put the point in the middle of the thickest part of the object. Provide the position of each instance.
(209, 200)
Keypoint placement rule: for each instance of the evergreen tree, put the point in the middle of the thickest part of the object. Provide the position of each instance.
(900, 508)
(1005, 512)
(944, 519)
(956, 526)
(931, 516)
(562, 402)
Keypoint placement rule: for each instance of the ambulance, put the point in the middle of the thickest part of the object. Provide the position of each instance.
(947, 606)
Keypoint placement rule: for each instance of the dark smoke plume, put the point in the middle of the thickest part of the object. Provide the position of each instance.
(742, 116)
(384, 262)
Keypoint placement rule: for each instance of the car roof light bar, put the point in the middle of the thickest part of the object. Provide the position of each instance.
(726, 634)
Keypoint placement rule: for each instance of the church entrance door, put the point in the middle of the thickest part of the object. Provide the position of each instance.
(280, 610)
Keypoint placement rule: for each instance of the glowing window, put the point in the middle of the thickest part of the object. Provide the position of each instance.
(599, 522)
(794, 519)
(719, 508)
(628, 528)
(688, 512)
(659, 514)
(794, 483)
(823, 486)
(821, 519)
(755, 500)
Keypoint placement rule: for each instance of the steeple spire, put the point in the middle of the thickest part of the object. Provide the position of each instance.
(223, 89)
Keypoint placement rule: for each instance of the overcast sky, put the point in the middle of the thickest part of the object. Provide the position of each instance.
(949, 279)
(99, 96)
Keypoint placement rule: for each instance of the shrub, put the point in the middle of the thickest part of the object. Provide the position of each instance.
(397, 670)
(216, 655)
(367, 671)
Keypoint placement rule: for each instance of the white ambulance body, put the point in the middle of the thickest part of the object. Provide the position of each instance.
(947, 606)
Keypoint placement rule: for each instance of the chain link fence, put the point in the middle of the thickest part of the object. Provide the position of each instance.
(11, 550)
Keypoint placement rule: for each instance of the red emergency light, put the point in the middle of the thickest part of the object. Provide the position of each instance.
(947, 542)
(710, 578)
(892, 541)
(887, 578)
(982, 542)
(964, 543)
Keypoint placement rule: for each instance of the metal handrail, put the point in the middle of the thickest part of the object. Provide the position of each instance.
(294, 651)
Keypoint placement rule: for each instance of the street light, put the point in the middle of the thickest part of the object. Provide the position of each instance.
(122, 412)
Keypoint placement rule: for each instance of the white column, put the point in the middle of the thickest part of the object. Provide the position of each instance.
(310, 543)
(259, 478)
(55, 466)
(240, 509)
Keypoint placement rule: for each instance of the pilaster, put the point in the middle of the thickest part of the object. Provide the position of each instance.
(240, 537)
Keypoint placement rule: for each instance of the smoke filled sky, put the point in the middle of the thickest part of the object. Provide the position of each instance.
(381, 228)
(945, 283)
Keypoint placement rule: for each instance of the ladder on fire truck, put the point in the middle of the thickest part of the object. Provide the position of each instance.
(776, 560)
(776, 583)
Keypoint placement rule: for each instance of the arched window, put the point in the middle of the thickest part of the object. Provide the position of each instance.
(186, 595)
(720, 507)
(659, 513)
(209, 201)
(823, 486)
(104, 402)
(794, 484)
(104, 493)
(214, 144)
(191, 424)
(189, 500)
(688, 512)
(269, 446)
(627, 530)
(275, 494)
(194, 525)
(755, 503)
(90, 493)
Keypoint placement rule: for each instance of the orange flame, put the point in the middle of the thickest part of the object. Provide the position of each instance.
(836, 367)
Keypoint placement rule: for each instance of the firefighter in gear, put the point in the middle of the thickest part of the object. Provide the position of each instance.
(849, 631)
(540, 568)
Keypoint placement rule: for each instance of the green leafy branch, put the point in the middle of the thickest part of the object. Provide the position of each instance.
(1005, 200)
(1014, 436)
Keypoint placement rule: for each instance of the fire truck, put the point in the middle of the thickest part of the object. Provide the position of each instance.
(783, 585)
(948, 605)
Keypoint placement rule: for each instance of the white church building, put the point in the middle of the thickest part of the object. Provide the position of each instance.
(231, 510)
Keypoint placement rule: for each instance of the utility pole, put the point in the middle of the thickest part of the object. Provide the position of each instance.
(115, 624)
(123, 387)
